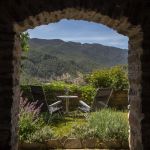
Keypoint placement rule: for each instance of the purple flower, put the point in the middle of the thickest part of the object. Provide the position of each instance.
(27, 107)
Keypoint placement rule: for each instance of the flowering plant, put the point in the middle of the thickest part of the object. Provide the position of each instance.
(29, 118)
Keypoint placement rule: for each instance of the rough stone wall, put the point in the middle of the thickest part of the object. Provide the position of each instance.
(6, 86)
(16, 92)
(9, 90)
(135, 112)
(130, 17)
(145, 92)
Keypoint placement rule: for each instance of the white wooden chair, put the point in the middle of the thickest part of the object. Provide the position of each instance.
(38, 94)
(101, 100)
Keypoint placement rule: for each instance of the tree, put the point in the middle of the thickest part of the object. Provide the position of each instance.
(24, 37)
(114, 77)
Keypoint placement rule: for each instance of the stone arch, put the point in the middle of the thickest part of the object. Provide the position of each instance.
(122, 26)
(21, 15)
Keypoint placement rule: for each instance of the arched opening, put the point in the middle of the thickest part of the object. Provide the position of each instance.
(81, 33)
(77, 44)
(121, 29)
(46, 12)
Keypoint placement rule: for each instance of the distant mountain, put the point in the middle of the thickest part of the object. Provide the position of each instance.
(48, 58)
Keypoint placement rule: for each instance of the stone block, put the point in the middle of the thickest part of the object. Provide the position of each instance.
(73, 143)
(32, 146)
(90, 143)
(54, 143)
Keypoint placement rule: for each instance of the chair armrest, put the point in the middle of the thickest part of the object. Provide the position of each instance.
(55, 104)
(84, 104)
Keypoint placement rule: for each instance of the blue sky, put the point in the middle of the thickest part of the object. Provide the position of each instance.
(80, 31)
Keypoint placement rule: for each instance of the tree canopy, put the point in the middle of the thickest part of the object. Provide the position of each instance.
(24, 37)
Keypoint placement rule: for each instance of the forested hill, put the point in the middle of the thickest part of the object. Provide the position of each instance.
(55, 57)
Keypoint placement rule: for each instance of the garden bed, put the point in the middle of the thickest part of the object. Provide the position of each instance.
(107, 128)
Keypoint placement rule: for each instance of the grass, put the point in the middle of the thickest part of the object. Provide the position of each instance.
(64, 128)
(107, 124)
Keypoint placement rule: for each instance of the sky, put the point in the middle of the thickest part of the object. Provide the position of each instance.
(80, 31)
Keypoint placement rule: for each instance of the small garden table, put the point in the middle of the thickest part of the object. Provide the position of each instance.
(67, 98)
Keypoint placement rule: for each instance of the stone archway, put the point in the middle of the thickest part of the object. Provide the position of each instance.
(129, 18)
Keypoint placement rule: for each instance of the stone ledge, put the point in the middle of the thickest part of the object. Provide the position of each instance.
(74, 143)
(32, 146)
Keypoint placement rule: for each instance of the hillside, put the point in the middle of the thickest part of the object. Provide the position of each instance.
(48, 58)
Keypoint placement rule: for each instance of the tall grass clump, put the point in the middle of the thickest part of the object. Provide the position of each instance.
(110, 124)
(107, 125)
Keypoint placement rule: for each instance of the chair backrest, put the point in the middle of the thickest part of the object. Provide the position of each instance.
(38, 94)
(102, 96)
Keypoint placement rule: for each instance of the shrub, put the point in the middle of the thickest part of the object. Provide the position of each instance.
(106, 125)
(87, 92)
(57, 88)
(100, 78)
(110, 124)
(118, 78)
(60, 86)
(42, 135)
(30, 122)
(83, 132)
(115, 77)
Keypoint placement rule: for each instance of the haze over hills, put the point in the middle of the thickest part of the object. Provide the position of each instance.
(55, 57)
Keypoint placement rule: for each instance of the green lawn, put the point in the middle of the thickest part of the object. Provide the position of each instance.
(118, 120)
(63, 128)
(106, 125)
